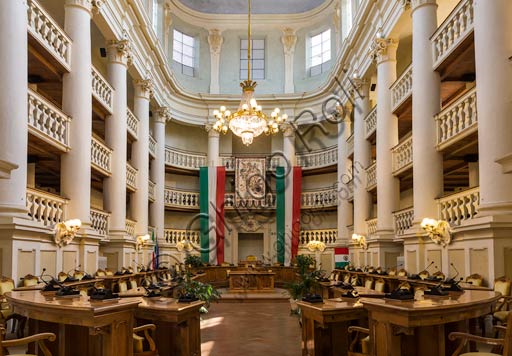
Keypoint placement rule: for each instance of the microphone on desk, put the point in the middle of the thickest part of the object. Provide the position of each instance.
(417, 276)
(453, 284)
(70, 278)
(62, 291)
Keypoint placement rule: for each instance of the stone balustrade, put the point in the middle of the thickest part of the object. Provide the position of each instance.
(47, 121)
(99, 221)
(132, 124)
(457, 121)
(46, 208)
(371, 226)
(370, 123)
(458, 207)
(402, 155)
(327, 236)
(173, 236)
(453, 31)
(268, 203)
(319, 198)
(324, 157)
(183, 159)
(371, 176)
(181, 198)
(151, 190)
(350, 145)
(401, 90)
(131, 177)
(47, 32)
(130, 227)
(152, 146)
(101, 157)
(403, 220)
(102, 91)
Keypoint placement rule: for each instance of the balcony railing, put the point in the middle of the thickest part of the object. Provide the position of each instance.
(461, 206)
(99, 221)
(130, 227)
(268, 203)
(403, 220)
(172, 236)
(350, 145)
(370, 123)
(132, 123)
(152, 146)
(371, 226)
(453, 31)
(48, 33)
(131, 177)
(319, 158)
(402, 156)
(46, 208)
(151, 190)
(457, 121)
(101, 157)
(320, 198)
(181, 198)
(401, 90)
(183, 159)
(102, 91)
(371, 176)
(47, 121)
(327, 236)
(271, 162)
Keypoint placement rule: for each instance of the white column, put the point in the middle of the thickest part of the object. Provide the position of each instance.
(13, 104)
(289, 40)
(77, 102)
(157, 213)
(426, 102)
(213, 146)
(114, 187)
(140, 155)
(215, 40)
(387, 136)
(344, 213)
(289, 154)
(493, 47)
(362, 158)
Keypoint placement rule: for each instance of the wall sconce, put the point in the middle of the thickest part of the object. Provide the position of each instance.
(360, 240)
(141, 241)
(65, 232)
(184, 245)
(439, 231)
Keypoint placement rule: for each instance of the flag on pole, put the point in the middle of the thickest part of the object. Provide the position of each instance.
(155, 250)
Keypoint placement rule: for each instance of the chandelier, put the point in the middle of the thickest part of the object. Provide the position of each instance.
(249, 121)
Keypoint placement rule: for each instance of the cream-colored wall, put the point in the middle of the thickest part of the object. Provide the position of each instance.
(406, 199)
(96, 199)
(182, 182)
(316, 136)
(318, 181)
(188, 138)
(182, 220)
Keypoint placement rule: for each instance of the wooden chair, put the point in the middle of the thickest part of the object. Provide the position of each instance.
(380, 285)
(402, 273)
(360, 342)
(503, 307)
(346, 278)
(392, 272)
(475, 279)
(39, 338)
(109, 272)
(122, 286)
(354, 280)
(6, 313)
(505, 344)
(133, 283)
(61, 277)
(78, 275)
(368, 283)
(100, 273)
(30, 280)
(423, 275)
(439, 276)
(139, 342)
(370, 269)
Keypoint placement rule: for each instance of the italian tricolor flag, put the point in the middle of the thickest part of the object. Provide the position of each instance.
(212, 181)
(341, 257)
(288, 194)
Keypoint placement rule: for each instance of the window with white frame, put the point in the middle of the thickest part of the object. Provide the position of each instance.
(257, 59)
(320, 52)
(183, 52)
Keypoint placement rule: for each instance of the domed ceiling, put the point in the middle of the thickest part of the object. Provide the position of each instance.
(258, 6)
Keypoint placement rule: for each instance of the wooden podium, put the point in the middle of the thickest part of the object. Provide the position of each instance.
(257, 281)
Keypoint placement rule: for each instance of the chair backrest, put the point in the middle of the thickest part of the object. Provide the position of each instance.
(100, 273)
(133, 283)
(507, 345)
(78, 275)
(380, 285)
(354, 280)
(122, 286)
(17, 343)
(475, 279)
(368, 283)
(402, 273)
(423, 275)
(61, 277)
(109, 272)
(392, 272)
(346, 278)
(439, 275)
(30, 280)
(6, 285)
(154, 280)
(502, 285)
(140, 341)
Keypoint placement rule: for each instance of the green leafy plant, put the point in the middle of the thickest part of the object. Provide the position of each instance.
(307, 279)
(304, 262)
(202, 291)
(193, 261)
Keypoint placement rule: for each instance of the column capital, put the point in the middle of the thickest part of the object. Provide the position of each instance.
(405, 3)
(163, 115)
(215, 40)
(211, 131)
(119, 52)
(384, 49)
(359, 88)
(143, 88)
(288, 130)
(289, 40)
(88, 5)
(419, 3)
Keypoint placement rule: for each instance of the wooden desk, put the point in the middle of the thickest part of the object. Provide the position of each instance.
(82, 327)
(251, 280)
(420, 328)
(324, 326)
(178, 331)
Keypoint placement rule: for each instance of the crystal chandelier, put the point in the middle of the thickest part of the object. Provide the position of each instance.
(249, 121)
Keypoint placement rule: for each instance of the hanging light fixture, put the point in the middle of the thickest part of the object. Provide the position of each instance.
(249, 121)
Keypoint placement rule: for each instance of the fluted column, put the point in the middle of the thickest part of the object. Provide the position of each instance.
(362, 158)
(114, 187)
(289, 40)
(344, 173)
(213, 146)
(493, 48)
(289, 154)
(77, 102)
(215, 41)
(140, 155)
(387, 136)
(13, 104)
(157, 212)
(426, 102)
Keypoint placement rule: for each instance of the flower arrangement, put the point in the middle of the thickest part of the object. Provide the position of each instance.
(439, 231)
(64, 232)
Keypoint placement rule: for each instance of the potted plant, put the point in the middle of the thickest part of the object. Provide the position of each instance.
(190, 290)
(193, 261)
(306, 281)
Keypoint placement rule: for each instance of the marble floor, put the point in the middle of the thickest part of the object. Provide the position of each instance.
(250, 329)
